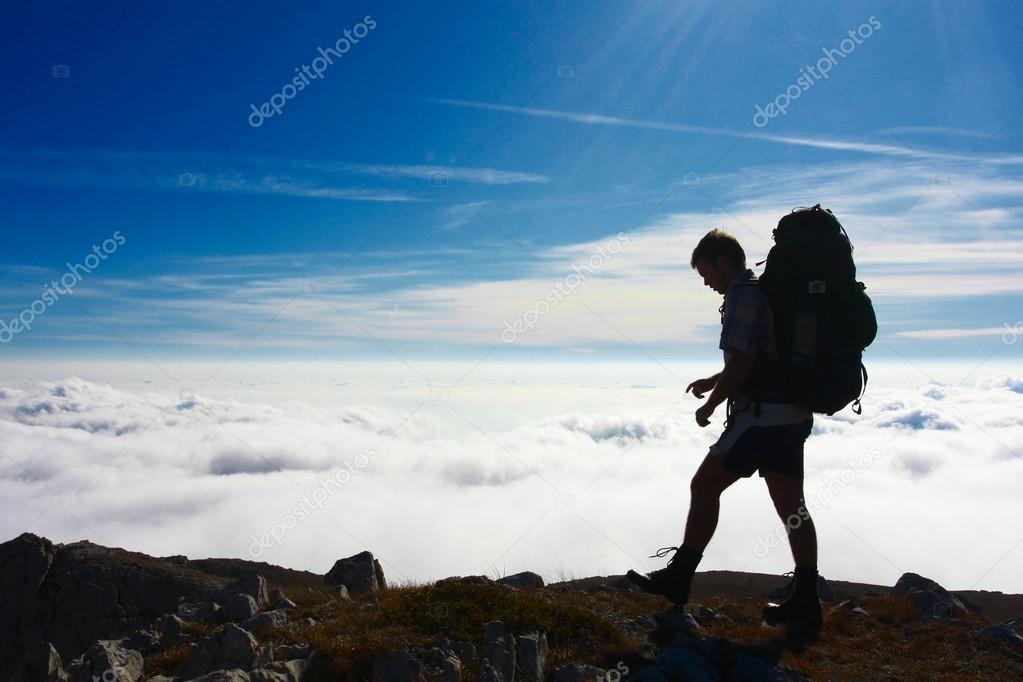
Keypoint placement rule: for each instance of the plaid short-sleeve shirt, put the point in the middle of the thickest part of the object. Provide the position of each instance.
(747, 325)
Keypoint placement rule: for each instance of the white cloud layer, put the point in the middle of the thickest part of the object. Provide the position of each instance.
(590, 481)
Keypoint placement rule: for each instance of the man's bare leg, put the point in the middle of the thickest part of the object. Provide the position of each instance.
(787, 495)
(710, 480)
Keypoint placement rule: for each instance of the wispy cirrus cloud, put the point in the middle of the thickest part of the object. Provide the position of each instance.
(831, 144)
(237, 174)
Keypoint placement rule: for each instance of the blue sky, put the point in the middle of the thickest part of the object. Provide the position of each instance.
(458, 159)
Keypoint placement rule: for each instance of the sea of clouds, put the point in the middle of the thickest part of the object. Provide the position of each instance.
(557, 477)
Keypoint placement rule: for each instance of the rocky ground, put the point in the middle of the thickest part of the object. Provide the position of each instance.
(82, 612)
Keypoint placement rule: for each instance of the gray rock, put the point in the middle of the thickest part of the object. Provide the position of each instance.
(933, 600)
(360, 573)
(228, 647)
(523, 579)
(682, 664)
(849, 605)
(238, 607)
(531, 652)
(676, 621)
(265, 622)
(107, 660)
(500, 649)
(341, 592)
(279, 601)
(1003, 631)
(398, 665)
(251, 584)
(205, 611)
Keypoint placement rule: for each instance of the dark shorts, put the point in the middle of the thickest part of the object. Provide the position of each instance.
(745, 448)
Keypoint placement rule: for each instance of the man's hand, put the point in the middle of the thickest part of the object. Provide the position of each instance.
(703, 413)
(701, 386)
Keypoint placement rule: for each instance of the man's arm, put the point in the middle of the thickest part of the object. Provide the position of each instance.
(736, 370)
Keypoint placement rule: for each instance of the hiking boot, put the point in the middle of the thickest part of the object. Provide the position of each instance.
(803, 605)
(674, 580)
(796, 610)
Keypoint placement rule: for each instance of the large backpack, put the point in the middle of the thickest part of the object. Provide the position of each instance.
(823, 318)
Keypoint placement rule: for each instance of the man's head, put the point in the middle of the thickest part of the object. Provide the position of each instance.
(718, 258)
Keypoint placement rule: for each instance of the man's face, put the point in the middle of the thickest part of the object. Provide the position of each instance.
(718, 276)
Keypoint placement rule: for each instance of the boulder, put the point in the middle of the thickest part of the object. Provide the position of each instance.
(238, 607)
(933, 600)
(107, 660)
(531, 652)
(523, 579)
(1003, 631)
(266, 622)
(360, 573)
(228, 647)
(73, 595)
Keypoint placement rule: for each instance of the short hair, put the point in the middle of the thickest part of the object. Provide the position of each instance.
(716, 243)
